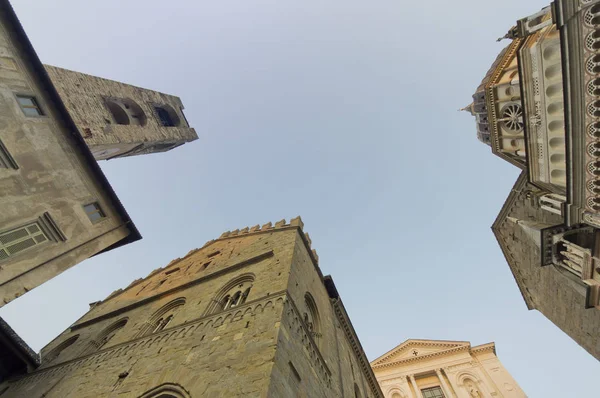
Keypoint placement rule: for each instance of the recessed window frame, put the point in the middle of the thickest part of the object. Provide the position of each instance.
(433, 392)
(6, 159)
(34, 104)
(97, 210)
(166, 115)
(46, 228)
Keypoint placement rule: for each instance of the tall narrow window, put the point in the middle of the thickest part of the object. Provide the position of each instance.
(6, 160)
(357, 393)
(94, 212)
(311, 318)
(233, 294)
(294, 380)
(162, 318)
(433, 392)
(29, 105)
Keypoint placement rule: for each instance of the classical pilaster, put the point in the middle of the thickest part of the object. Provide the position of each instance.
(414, 384)
(445, 387)
(409, 391)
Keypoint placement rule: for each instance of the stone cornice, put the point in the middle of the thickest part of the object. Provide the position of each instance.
(178, 331)
(187, 329)
(422, 357)
(484, 348)
(404, 346)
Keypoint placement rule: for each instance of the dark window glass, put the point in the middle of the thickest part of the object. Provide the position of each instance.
(433, 392)
(164, 117)
(29, 105)
(94, 212)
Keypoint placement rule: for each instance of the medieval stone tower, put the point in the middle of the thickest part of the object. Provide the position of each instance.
(248, 314)
(118, 119)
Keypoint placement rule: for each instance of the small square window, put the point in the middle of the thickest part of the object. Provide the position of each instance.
(29, 105)
(94, 212)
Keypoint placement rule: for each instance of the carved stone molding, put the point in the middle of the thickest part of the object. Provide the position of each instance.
(152, 342)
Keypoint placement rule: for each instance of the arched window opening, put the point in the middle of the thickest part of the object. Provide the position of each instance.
(167, 390)
(162, 323)
(233, 294)
(105, 336)
(312, 319)
(357, 393)
(118, 113)
(55, 353)
(162, 318)
(126, 112)
(135, 112)
(238, 298)
(167, 117)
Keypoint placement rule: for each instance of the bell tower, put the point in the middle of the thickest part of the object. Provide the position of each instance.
(118, 119)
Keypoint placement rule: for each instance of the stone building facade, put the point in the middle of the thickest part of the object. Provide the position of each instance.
(249, 314)
(118, 119)
(444, 369)
(56, 206)
(538, 107)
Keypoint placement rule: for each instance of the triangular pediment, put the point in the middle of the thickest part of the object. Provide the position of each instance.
(419, 349)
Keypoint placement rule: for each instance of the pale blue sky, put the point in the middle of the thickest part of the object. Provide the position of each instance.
(343, 112)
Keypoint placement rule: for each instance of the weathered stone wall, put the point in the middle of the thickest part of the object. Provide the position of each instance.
(329, 365)
(560, 298)
(51, 176)
(85, 98)
(242, 351)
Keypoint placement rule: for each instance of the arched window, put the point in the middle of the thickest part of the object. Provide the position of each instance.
(357, 393)
(118, 113)
(162, 318)
(105, 336)
(166, 116)
(135, 112)
(233, 294)
(167, 390)
(56, 351)
(126, 111)
(312, 319)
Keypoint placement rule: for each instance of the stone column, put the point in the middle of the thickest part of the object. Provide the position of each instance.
(408, 390)
(445, 387)
(414, 384)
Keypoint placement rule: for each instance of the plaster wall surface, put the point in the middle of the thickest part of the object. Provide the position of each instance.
(47, 178)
